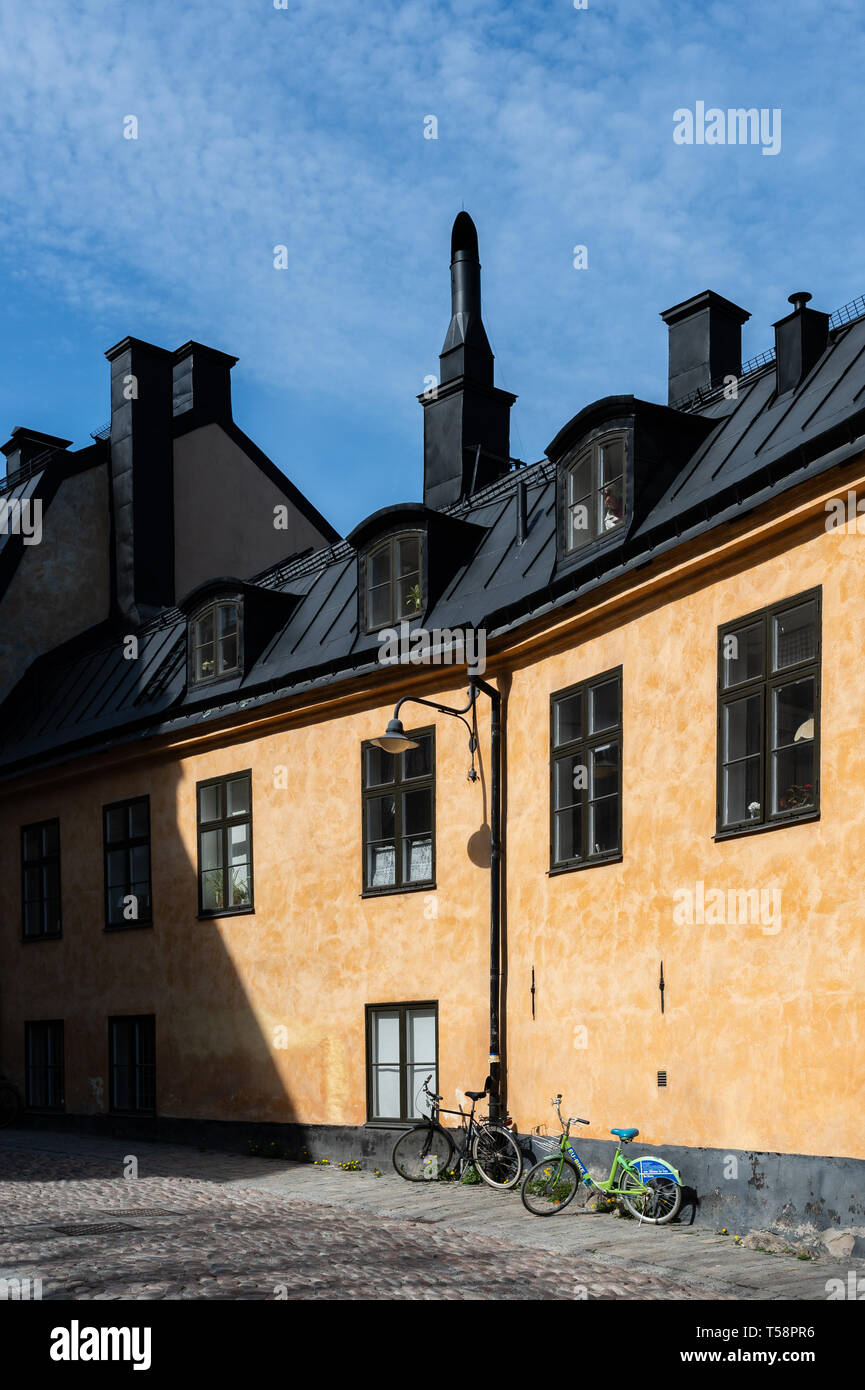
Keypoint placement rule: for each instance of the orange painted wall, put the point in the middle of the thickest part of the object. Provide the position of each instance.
(763, 1038)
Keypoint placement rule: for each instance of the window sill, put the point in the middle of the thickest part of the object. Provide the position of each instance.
(390, 892)
(127, 926)
(44, 936)
(405, 1125)
(589, 864)
(44, 1109)
(133, 1114)
(741, 832)
(226, 912)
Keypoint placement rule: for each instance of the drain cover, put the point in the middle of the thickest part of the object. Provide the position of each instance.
(139, 1211)
(100, 1229)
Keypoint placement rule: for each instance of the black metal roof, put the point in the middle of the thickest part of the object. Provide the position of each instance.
(87, 695)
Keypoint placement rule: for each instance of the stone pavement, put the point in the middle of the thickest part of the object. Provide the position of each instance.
(196, 1225)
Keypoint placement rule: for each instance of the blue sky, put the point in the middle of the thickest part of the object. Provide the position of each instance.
(304, 127)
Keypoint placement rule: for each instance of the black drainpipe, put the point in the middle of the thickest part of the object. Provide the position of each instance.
(498, 1107)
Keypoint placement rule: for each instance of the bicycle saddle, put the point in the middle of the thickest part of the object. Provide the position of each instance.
(625, 1133)
(475, 1095)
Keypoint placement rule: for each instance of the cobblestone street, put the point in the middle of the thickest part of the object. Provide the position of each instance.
(204, 1225)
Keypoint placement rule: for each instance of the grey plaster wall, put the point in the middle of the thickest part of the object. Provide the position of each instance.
(61, 586)
(224, 512)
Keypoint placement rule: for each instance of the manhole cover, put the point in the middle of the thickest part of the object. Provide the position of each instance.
(97, 1229)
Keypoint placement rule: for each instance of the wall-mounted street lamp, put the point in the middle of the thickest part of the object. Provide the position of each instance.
(394, 740)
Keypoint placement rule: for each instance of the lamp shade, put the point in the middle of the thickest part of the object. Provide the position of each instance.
(395, 739)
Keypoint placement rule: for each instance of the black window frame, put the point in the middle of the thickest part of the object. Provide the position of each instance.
(581, 747)
(40, 863)
(768, 681)
(365, 589)
(135, 1066)
(130, 843)
(55, 1067)
(404, 1120)
(212, 607)
(591, 447)
(223, 823)
(400, 786)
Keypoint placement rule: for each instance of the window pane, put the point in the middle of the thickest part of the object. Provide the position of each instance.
(209, 801)
(117, 824)
(567, 723)
(570, 780)
(611, 460)
(568, 834)
(409, 596)
(380, 818)
(33, 844)
(421, 1036)
(417, 860)
(381, 865)
(742, 792)
(379, 767)
(604, 825)
(138, 819)
(611, 505)
(417, 811)
(604, 706)
(117, 868)
(379, 567)
(227, 619)
(203, 631)
(140, 864)
(793, 777)
(228, 653)
(51, 837)
(212, 890)
(240, 886)
(604, 765)
(742, 728)
(211, 849)
(238, 844)
(238, 797)
(380, 607)
(795, 636)
(742, 655)
(579, 523)
(793, 713)
(408, 556)
(385, 1092)
(417, 762)
(580, 479)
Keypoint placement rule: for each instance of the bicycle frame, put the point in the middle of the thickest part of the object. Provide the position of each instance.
(608, 1186)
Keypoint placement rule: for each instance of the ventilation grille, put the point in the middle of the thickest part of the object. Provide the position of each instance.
(662, 1078)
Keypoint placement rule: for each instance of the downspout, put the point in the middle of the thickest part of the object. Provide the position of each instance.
(498, 1107)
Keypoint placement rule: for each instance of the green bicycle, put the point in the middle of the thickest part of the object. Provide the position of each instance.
(650, 1188)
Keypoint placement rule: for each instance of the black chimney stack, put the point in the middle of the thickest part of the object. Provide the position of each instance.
(26, 445)
(142, 478)
(466, 417)
(705, 343)
(800, 341)
(202, 383)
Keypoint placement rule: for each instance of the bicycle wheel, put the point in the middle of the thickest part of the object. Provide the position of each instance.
(550, 1185)
(658, 1205)
(421, 1151)
(497, 1156)
(10, 1104)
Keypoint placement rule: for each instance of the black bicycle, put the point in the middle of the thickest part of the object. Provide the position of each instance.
(10, 1103)
(427, 1151)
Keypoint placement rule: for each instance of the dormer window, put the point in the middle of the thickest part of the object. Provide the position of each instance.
(595, 492)
(215, 642)
(394, 580)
